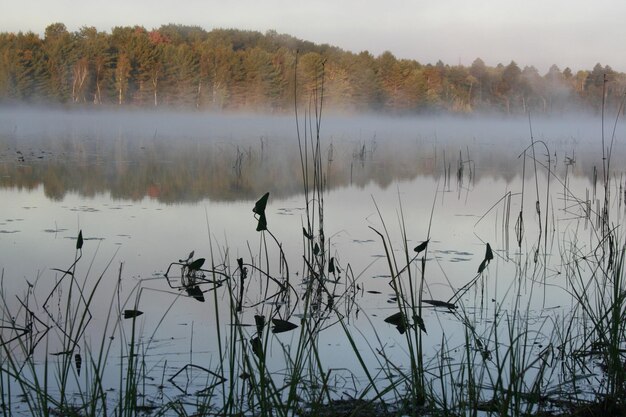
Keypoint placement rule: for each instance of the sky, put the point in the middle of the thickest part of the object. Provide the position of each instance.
(576, 34)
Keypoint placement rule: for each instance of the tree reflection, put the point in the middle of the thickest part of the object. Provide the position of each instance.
(192, 170)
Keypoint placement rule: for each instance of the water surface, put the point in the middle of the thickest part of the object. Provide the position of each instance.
(146, 189)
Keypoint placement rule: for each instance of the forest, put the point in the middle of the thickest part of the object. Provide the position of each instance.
(178, 66)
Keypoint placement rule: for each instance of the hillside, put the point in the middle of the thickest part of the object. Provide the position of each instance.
(227, 69)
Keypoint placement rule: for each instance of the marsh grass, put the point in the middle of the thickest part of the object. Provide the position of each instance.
(269, 315)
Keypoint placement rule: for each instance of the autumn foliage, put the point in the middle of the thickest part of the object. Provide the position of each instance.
(189, 67)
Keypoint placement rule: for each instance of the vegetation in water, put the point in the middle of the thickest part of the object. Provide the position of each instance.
(508, 359)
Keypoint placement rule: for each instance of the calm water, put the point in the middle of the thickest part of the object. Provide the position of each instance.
(146, 189)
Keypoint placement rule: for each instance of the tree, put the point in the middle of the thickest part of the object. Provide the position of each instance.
(557, 89)
(459, 84)
(310, 71)
(567, 73)
(181, 34)
(364, 79)
(122, 75)
(59, 50)
(596, 77)
(434, 76)
(533, 90)
(337, 85)
(121, 45)
(391, 79)
(94, 51)
(216, 63)
(181, 75)
(508, 86)
(481, 73)
(594, 86)
(254, 72)
(281, 80)
(25, 67)
(233, 69)
(554, 74)
(7, 60)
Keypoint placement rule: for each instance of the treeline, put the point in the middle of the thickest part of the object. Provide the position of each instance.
(189, 67)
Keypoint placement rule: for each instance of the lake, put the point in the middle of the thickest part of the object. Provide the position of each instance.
(145, 189)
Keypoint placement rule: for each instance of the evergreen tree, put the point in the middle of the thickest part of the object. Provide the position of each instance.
(232, 69)
(59, 47)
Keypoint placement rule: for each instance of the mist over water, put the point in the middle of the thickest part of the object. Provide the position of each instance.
(118, 174)
(191, 156)
(147, 188)
(28, 122)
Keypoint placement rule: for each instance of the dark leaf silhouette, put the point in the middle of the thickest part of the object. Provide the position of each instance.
(259, 320)
(79, 241)
(488, 253)
(281, 326)
(397, 320)
(259, 206)
(488, 257)
(262, 224)
(188, 257)
(65, 352)
(129, 314)
(240, 263)
(197, 264)
(331, 266)
(482, 266)
(308, 236)
(420, 323)
(438, 303)
(316, 249)
(195, 292)
(79, 362)
(257, 346)
(401, 328)
(422, 246)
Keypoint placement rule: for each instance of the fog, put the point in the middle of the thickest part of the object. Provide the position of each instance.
(28, 123)
(190, 156)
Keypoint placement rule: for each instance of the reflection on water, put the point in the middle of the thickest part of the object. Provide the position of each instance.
(119, 185)
(233, 163)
